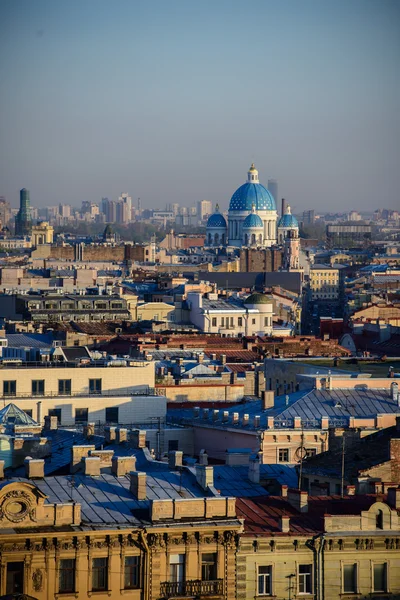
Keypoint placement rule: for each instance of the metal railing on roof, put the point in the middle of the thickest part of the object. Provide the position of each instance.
(145, 391)
(68, 364)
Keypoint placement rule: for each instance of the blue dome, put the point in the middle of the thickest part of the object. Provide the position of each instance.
(252, 221)
(216, 220)
(288, 221)
(252, 193)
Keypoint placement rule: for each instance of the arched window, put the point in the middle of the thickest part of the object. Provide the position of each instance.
(216, 239)
(210, 239)
(223, 239)
(253, 238)
(379, 519)
(246, 240)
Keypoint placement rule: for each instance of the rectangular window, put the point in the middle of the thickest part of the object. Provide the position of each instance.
(112, 414)
(66, 581)
(240, 322)
(283, 455)
(350, 578)
(64, 387)
(380, 577)
(310, 452)
(94, 386)
(305, 579)
(209, 566)
(99, 574)
(81, 415)
(214, 321)
(177, 568)
(28, 411)
(9, 388)
(173, 445)
(264, 580)
(222, 321)
(132, 572)
(265, 321)
(253, 321)
(37, 387)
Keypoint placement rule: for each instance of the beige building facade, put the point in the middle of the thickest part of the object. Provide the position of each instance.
(324, 282)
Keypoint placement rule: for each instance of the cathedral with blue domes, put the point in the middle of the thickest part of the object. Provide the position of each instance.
(252, 219)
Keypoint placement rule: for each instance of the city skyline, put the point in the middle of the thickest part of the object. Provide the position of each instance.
(172, 102)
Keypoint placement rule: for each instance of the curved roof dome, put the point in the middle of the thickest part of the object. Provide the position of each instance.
(216, 220)
(288, 220)
(253, 221)
(249, 194)
(257, 298)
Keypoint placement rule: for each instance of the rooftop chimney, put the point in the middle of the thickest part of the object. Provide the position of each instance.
(121, 465)
(175, 458)
(138, 485)
(203, 457)
(254, 469)
(121, 435)
(267, 399)
(138, 438)
(34, 468)
(88, 430)
(298, 499)
(50, 423)
(284, 523)
(205, 476)
(91, 465)
(284, 490)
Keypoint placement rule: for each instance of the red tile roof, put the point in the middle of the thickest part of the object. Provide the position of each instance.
(261, 515)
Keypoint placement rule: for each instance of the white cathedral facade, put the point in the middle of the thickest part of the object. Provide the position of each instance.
(252, 219)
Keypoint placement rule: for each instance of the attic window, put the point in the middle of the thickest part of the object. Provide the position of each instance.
(379, 519)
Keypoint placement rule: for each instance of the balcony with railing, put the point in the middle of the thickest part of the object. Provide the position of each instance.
(192, 589)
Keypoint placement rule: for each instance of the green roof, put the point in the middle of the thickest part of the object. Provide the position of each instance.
(257, 298)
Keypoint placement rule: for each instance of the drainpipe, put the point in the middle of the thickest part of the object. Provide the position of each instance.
(146, 569)
(318, 564)
(320, 569)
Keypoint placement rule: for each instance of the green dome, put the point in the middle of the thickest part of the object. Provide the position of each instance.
(258, 298)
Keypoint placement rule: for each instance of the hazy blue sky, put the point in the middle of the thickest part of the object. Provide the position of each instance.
(171, 100)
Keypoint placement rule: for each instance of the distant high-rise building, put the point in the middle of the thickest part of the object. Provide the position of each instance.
(308, 217)
(273, 189)
(23, 220)
(64, 210)
(204, 209)
(126, 200)
(5, 211)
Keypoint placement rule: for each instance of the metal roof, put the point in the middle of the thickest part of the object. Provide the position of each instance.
(311, 405)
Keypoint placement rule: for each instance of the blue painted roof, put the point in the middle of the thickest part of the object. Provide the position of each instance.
(216, 220)
(288, 221)
(252, 193)
(252, 221)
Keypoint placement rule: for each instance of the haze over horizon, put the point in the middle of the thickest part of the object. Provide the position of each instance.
(172, 101)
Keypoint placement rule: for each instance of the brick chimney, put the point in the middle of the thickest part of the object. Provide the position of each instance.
(205, 476)
(138, 438)
(254, 469)
(138, 485)
(34, 468)
(284, 524)
(203, 457)
(267, 399)
(121, 465)
(298, 499)
(175, 458)
(91, 465)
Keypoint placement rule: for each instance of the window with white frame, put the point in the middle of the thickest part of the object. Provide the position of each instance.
(305, 579)
(264, 580)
